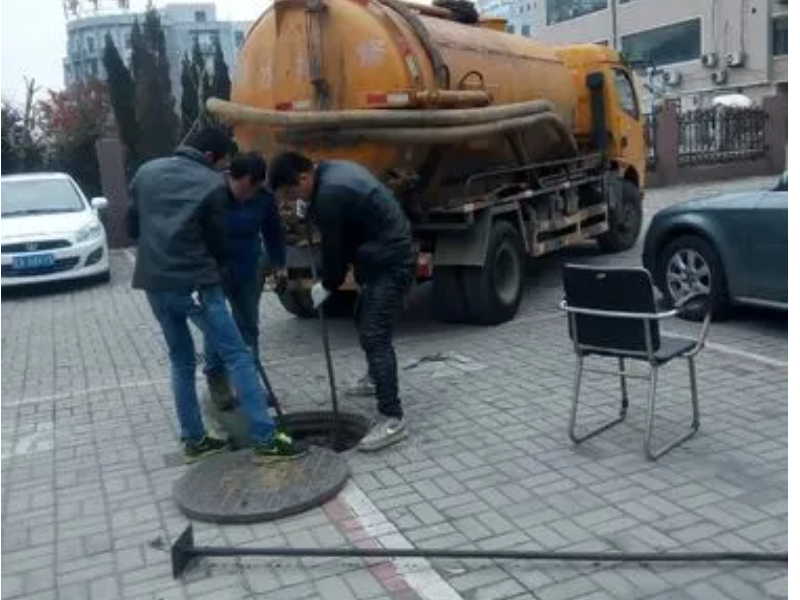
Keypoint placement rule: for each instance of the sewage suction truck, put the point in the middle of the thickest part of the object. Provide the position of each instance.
(498, 146)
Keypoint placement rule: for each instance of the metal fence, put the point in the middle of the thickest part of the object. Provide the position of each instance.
(721, 135)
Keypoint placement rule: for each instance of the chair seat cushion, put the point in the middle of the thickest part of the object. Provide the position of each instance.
(670, 347)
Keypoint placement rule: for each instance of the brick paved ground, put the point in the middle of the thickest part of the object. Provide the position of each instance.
(89, 442)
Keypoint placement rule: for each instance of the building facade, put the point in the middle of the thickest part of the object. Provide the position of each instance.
(692, 50)
(182, 24)
(522, 17)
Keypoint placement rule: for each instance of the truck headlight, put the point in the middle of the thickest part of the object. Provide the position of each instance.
(89, 232)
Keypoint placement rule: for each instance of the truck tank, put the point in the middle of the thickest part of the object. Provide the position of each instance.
(304, 58)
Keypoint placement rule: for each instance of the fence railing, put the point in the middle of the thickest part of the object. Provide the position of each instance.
(721, 134)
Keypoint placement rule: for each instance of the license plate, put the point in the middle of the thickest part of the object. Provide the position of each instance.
(34, 261)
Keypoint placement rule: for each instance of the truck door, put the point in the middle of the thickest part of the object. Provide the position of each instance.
(625, 122)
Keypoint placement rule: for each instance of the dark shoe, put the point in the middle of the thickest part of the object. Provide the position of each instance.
(281, 447)
(208, 446)
(220, 390)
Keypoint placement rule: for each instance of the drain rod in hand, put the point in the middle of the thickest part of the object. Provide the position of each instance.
(326, 347)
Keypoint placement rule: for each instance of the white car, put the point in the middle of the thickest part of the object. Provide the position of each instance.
(49, 231)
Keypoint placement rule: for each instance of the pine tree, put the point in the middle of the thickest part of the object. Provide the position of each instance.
(189, 96)
(122, 92)
(154, 100)
(222, 81)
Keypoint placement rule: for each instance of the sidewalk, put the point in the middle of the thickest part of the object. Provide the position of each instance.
(89, 455)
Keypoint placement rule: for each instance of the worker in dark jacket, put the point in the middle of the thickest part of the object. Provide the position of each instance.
(362, 224)
(177, 215)
(253, 224)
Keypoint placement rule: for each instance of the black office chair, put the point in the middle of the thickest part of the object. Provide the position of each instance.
(612, 312)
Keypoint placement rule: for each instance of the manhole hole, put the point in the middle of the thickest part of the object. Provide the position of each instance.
(317, 428)
(309, 428)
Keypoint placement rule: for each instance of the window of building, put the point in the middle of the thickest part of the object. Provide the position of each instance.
(526, 30)
(90, 44)
(626, 94)
(664, 45)
(564, 10)
(780, 35)
(200, 16)
(510, 28)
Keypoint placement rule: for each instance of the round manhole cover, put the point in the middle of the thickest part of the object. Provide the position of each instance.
(232, 488)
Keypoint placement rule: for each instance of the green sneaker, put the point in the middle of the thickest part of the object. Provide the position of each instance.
(281, 447)
(208, 446)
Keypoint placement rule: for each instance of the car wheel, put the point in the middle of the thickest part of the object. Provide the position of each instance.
(690, 264)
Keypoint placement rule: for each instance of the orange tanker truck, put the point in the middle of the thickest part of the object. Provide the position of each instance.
(497, 145)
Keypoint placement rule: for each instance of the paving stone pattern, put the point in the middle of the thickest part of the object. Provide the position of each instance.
(89, 442)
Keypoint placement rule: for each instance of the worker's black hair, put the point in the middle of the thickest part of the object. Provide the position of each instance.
(285, 169)
(211, 139)
(249, 164)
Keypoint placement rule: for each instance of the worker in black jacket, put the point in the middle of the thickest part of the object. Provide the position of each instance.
(177, 215)
(362, 224)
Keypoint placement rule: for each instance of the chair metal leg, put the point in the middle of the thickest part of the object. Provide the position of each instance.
(624, 385)
(651, 405)
(574, 414)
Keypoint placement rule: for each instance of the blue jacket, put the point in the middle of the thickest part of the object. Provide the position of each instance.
(247, 224)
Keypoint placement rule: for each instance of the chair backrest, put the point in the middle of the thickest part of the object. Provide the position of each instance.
(616, 289)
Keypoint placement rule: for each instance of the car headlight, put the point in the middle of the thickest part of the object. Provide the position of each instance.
(89, 232)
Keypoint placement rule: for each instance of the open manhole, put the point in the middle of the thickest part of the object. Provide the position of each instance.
(318, 428)
(311, 428)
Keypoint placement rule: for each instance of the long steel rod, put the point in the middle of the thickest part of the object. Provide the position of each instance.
(326, 347)
(493, 554)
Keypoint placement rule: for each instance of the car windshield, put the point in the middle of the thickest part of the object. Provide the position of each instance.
(43, 196)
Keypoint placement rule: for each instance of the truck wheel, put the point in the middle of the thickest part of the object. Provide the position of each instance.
(494, 292)
(449, 296)
(298, 302)
(625, 221)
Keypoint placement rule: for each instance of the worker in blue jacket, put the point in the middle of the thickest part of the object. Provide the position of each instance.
(252, 224)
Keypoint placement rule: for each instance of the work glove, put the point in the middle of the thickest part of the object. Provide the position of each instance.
(319, 294)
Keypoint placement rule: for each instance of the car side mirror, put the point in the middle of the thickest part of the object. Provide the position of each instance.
(99, 203)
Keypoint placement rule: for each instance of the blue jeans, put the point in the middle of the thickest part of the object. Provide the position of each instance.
(174, 310)
(243, 297)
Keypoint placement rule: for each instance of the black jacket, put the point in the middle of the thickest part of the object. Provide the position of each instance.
(361, 223)
(177, 214)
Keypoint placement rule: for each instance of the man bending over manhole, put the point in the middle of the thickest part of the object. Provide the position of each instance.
(361, 224)
(177, 216)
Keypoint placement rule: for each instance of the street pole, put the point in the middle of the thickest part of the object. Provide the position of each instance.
(614, 24)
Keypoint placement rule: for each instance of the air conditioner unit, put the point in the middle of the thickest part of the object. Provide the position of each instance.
(670, 77)
(719, 77)
(735, 59)
(710, 60)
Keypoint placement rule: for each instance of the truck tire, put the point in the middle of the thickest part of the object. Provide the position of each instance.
(449, 296)
(298, 302)
(493, 292)
(624, 222)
